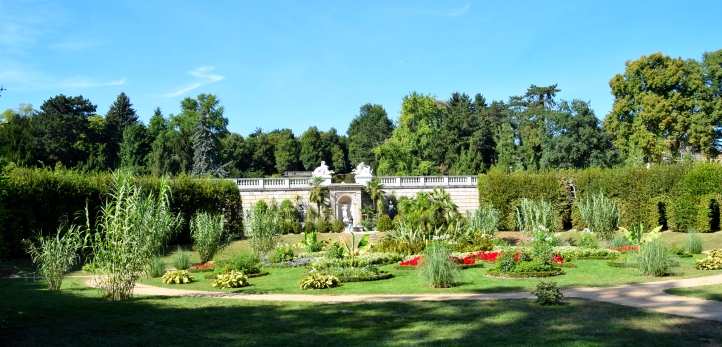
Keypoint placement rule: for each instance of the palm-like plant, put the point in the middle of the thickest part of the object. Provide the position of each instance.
(317, 194)
(375, 193)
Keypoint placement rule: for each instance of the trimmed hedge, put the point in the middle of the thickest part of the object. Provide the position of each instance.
(38, 200)
(680, 196)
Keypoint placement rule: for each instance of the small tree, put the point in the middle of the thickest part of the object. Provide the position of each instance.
(133, 227)
(55, 256)
(207, 234)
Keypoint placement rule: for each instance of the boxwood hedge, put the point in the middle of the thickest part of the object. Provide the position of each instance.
(38, 200)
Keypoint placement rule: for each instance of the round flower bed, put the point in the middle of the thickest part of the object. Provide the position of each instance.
(498, 274)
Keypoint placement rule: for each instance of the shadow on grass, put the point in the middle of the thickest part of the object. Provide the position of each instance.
(30, 315)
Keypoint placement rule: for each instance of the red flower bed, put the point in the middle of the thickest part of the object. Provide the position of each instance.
(557, 259)
(411, 262)
(202, 266)
(487, 255)
(627, 248)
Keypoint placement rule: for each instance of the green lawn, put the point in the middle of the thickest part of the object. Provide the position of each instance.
(713, 292)
(31, 316)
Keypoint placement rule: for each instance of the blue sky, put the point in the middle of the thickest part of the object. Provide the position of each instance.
(293, 64)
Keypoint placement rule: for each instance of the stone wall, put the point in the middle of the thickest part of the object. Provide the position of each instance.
(249, 197)
(466, 198)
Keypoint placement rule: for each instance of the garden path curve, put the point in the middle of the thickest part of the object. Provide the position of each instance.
(649, 296)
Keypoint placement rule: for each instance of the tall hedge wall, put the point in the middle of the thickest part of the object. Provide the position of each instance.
(38, 200)
(681, 197)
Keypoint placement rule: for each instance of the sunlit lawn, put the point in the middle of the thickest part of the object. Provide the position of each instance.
(32, 316)
(713, 292)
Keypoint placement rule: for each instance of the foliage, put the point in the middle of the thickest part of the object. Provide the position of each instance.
(354, 244)
(156, 268)
(384, 223)
(132, 228)
(654, 259)
(535, 215)
(311, 243)
(248, 264)
(548, 293)
(437, 269)
(177, 277)
(571, 252)
(543, 244)
(207, 233)
(366, 131)
(484, 220)
(232, 279)
(335, 250)
(55, 256)
(693, 244)
(317, 280)
(599, 214)
(620, 240)
(711, 261)
(282, 253)
(357, 273)
(360, 261)
(290, 219)
(262, 228)
(182, 260)
(588, 240)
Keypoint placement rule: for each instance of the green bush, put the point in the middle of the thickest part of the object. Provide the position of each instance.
(248, 264)
(359, 261)
(282, 253)
(357, 274)
(262, 228)
(384, 223)
(694, 244)
(311, 243)
(654, 259)
(337, 226)
(588, 240)
(317, 280)
(548, 293)
(619, 240)
(290, 218)
(207, 233)
(599, 214)
(177, 277)
(182, 260)
(437, 269)
(571, 252)
(335, 251)
(484, 220)
(712, 261)
(56, 255)
(157, 268)
(43, 199)
(534, 215)
(232, 279)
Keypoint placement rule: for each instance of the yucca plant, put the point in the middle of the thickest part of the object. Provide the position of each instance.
(54, 256)
(600, 214)
(533, 215)
(133, 227)
(437, 269)
(207, 234)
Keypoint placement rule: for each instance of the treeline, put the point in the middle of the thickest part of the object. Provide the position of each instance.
(665, 109)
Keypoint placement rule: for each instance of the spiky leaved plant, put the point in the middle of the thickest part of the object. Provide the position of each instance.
(484, 220)
(437, 268)
(133, 227)
(532, 215)
(54, 256)
(207, 234)
(262, 229)
(600, 214)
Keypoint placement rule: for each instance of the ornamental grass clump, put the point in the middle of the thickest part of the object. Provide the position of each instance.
(437, 269)
(600, 214)
(182, 260)
(54, 256)
(262, 229)
(532, 215)
(484, 220)
(156, 268)
(207, 234)
(694, 243)
(654, 259)
(132, 228)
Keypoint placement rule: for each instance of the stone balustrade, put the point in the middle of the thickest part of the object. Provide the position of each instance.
(272, 183)
(386, 181)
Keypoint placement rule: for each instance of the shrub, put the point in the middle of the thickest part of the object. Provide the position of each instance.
(317, 280)
(133, 227)
(403, 239)
(634, 234)
(484, 220)
(619, 241)
(232, 279)
(177, 277)
(437, 269)
(694, 244)
(360, 261)
(311, 243)
(506, 263)
(712, 261)
(548, 293)
(337, 226)
(543, 246)
(207, 234)
(357, 274)
(157, 268)
(571, 252)
(323, 225)
(248, 264)
(55, 256)
(532, 215)
(262, 228)
(599, 214)
(289, 218)
(384, 223)
(282, 254)
(654, 259)
(182, 260)
(588, 240)
(335, 251)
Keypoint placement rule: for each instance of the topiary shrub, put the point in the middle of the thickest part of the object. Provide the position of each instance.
(654, 259)
(317, 280)
(232, 279)
(177, 277)
(548, 293)
(437, 269)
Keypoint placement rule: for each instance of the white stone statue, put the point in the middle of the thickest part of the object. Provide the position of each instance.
(345, 214)
(362, 173)
(322, 171)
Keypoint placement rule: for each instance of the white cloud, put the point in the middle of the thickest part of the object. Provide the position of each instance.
(204, 76)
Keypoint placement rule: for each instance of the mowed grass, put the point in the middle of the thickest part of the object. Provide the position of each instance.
(713, 292)
(77, 316)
